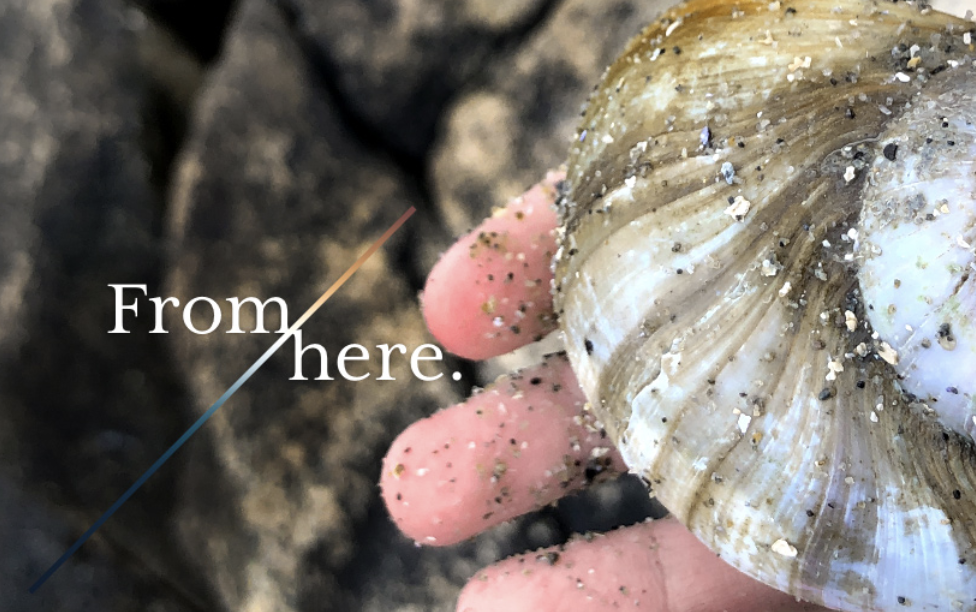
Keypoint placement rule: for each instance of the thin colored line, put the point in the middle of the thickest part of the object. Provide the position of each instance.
(223, 398)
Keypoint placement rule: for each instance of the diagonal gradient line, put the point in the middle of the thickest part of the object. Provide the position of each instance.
(223, 398)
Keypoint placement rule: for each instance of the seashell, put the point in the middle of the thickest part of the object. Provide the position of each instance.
(766, 282)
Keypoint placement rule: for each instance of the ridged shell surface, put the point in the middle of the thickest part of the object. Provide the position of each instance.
(708, 287)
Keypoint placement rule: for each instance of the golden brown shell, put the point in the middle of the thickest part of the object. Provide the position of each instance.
(707, 285)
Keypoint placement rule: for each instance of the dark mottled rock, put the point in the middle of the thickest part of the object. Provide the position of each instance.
(199, 24)
(82, 412)
(396, 63)
(34, 535)
(172, 76)
(274, 196)
(501, 137)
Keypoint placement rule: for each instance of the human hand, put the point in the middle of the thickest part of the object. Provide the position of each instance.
(526, 441)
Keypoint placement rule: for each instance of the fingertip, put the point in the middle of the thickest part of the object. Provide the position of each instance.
(517, 446)
(490, 292)
(657, 565)
(431, 479)
(599, 572)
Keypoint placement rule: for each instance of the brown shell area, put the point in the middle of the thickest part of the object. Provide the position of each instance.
(795, 97)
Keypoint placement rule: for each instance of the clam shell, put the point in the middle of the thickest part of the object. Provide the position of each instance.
(707, 287)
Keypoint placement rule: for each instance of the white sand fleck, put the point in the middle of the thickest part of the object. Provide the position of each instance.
(800, 63)
(888, 354)
(743, 422)
(782, 547)
(833, 368)
(599, 451)
(739, 208)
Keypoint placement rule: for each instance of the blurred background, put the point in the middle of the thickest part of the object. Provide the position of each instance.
(235, 148)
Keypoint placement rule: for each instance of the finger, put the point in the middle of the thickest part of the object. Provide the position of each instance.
(652, 567)
(490, 292)
(519, 445)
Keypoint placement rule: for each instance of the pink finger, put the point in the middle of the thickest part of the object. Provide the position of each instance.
(521, 444)
(490, 292)
(652, 567)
